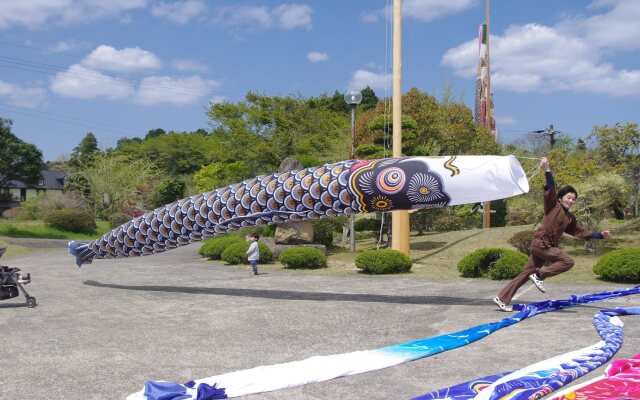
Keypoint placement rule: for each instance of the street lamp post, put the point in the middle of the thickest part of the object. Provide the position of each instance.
(353, 98)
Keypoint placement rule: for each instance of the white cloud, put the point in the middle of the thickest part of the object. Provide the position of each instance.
(189, 65)
(66, 46)
(180, 12)
(421, 10)
(166, 90)
(316, 56)
(81, 82)
(36, 13)
(617, 28)
(21, 96)
(106, 58)
(245, 19)
(291, 16)
(375, 80)
(568, 57)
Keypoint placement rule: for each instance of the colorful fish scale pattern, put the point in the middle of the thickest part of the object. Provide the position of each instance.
(330, 190)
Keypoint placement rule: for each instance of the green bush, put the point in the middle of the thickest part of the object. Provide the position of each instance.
(496, 263)
(622, 265)
(236, 253)
(508, 266)
(71, 220)
(117, 219)
(383, 261)
(302, 257)
(266, 255)
(522, 241)
(323, 231)
(447, 223)
(213, 248)
(367, 224)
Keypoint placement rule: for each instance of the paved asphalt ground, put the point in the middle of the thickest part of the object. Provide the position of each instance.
(100, 332)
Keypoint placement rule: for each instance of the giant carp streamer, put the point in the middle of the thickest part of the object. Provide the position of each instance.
(342, 188)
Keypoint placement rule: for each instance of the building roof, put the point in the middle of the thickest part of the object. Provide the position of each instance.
(52, 180)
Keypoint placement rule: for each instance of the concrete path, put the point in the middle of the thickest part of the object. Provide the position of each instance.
(100, 332)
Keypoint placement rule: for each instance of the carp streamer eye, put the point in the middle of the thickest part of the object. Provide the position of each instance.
(391, 180)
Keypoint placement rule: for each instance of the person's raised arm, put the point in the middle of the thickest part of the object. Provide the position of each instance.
(547, 173)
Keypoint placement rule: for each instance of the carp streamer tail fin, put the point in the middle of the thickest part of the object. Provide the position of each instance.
(82, 252)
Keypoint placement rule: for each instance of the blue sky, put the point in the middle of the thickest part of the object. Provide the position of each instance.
(119, 68)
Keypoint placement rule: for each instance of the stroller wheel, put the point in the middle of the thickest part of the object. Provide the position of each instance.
(31, 302)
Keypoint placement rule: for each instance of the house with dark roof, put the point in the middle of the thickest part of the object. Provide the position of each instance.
(19, 191)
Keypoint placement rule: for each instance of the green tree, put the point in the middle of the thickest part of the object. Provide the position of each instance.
(18, 160)
(369, 99)
(83, 153)
(116, 182)
(262, 131)
(440, 129)
(167, 191)
(619, 146)
(155, 133)
(217, 175)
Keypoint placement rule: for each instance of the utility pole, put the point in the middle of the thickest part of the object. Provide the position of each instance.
(551, 133)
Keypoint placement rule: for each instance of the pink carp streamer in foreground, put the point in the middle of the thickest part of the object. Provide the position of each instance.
(620, 381)
(343, 188)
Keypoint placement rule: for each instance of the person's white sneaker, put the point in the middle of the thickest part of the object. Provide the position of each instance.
(537, 281)
(503, 306)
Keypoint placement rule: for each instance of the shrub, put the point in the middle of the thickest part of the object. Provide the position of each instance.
(367, 224)
(496, 263)
(302, 257)
(622, 265)
(522, 241)
(322, 231)
(71, 220)
(383, 261)
(117, 219)
(213, 248)
(266, 255)
(448, 223)
(236, 253)
(508, 266)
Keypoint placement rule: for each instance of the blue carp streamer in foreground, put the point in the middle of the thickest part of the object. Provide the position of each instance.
(322, 368)
(542, 378)
(343, 188)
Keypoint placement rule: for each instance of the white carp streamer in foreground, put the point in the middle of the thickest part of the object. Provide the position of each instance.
(343, 188)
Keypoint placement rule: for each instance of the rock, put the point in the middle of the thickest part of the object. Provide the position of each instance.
(299, 232)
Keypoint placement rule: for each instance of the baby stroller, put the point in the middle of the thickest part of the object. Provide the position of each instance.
(11, 282)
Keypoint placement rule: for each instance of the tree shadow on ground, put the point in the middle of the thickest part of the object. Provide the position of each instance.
(443, 248)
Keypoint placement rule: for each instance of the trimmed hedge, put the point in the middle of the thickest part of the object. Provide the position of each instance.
(383, 261)
(622, 265)
(494, 263)
(236, 253)
(522, 241)
(71, 220)
(302, 257)
(212, 248)
(367, 224)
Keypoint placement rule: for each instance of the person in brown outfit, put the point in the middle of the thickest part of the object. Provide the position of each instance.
(546, 258)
